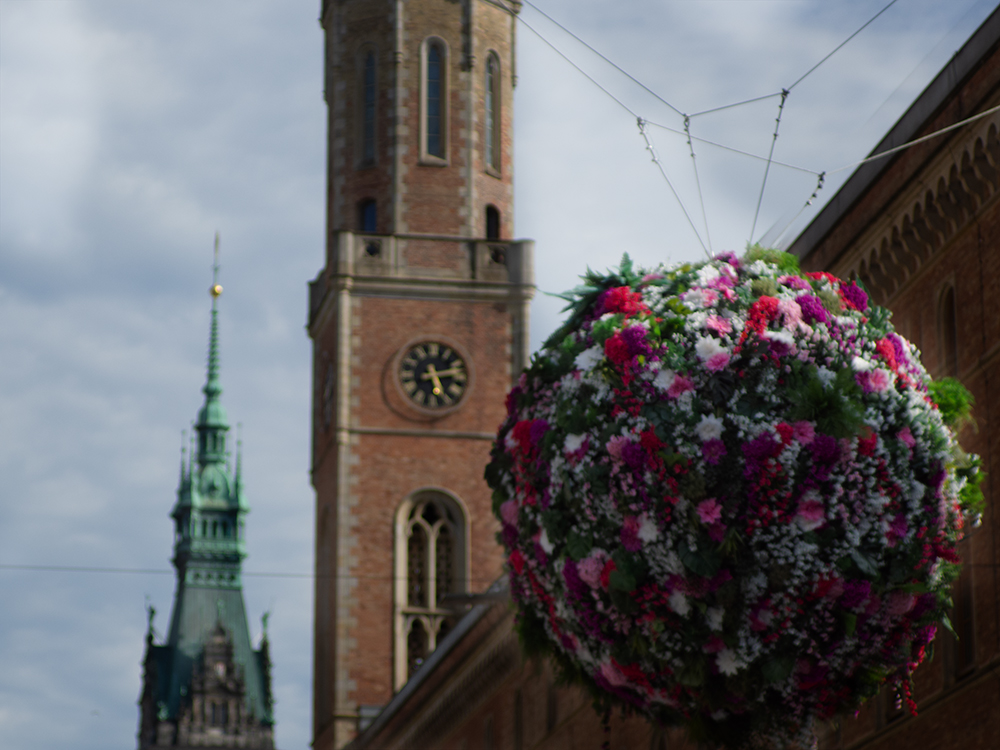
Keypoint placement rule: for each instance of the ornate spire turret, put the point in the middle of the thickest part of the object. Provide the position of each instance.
(207, 685)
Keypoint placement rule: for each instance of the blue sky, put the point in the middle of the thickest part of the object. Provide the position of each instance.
(131, 132)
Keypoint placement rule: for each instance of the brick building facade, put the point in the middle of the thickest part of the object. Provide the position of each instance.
(418, 320)
(921, 229)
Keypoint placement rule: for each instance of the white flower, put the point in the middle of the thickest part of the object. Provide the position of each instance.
(663, 379)
(784, 337)
(587, 359)
(709, 428)
(544, 542)
(648, 531)
(826, 376)
(727, 662)
(707, 347)
(573, 443)
(860, 364)
(679, 603)
(713, 616)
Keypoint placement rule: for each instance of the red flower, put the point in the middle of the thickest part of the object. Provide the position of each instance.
(888, 352)
(617, 350)
(622, 299)
(609, 566)
(516, 561)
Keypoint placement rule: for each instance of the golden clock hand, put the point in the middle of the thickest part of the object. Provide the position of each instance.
(432, 375)
(452, 371)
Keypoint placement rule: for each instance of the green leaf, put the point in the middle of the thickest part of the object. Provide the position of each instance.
(850, 623)
(577, 546)
(864, 563)
(693, 674)
(778, 669)
(621, 580)
(704, 563)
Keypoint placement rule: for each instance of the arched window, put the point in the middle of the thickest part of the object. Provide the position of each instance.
(948, 326)
(434, 101)
(430, 564)
(369, 91)
(492, 223)
(491, 121)
(368, 216)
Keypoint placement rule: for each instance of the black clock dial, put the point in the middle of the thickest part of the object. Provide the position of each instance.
(433, 375)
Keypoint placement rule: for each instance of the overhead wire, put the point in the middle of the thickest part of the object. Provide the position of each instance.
(656, 160)
(697, 180)
(770, 156)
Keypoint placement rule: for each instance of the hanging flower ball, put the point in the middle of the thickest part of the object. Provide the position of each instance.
(728, 498)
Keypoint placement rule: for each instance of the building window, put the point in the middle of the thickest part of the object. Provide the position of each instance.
(434, 101)
(369, 91)
(492, 223)
(948, 325)
(430, 564)
(491, 122)
(368, 216)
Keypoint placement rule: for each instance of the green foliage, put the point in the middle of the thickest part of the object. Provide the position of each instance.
(836, 409)
(953, 400)
(787, 262)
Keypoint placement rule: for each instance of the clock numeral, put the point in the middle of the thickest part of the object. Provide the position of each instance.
(455, 390)
(433, 349)
(410, 362)
(432, 401)
(419, 352)
(447, 355)
(409, 386)
(420, 397)
(448, 400)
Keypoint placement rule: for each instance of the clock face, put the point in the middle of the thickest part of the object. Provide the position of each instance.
(433, 375)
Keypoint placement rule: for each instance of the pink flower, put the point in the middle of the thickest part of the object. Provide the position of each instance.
(678, 386)
(907, 437)
(709, 511)
(590, 568)
(713, 645)
(810, 515)
(900, 602)
(613, 675)
(615, 446)
(508, 512)
(790, 312)
(718, 324)
(717, 362)
(795, 282)
(804, 432)
(630, 534)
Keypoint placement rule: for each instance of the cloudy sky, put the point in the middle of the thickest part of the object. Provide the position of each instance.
(131, 131)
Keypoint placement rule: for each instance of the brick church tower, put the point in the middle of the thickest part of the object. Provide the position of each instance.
(419, 322)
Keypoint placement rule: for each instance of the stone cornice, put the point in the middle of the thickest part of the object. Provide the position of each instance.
(942, 200)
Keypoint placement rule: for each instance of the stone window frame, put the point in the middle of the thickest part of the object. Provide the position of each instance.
(493, 121)
(428, 159)
(367, 51)
(430, 617)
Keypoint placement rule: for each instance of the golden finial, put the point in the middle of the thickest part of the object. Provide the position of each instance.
(216, 289)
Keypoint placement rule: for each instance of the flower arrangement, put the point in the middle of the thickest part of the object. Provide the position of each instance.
(727, 497)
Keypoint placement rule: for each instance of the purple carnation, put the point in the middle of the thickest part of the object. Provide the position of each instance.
(855, 594)
(824, 449)
(635, 338)
(634, 455)
(713, 450)
(630, 534)
(812, 309)
(509, 535)
(900, 350)
(762, 447)
(573, 581)
(855, 295)
(538, 429)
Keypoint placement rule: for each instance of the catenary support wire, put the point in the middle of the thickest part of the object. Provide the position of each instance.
(697, 181)
(767, 167)
(656, 160)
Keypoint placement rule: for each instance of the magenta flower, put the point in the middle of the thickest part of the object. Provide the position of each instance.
(709, 511)
(713, 450)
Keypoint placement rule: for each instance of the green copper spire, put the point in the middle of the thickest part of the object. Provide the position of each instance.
(213, 424)
(208, 633)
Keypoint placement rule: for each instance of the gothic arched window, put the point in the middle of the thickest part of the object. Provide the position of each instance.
(491, 121)
(369, 91)
(430, 564)
(368, 216)
(434, 100)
